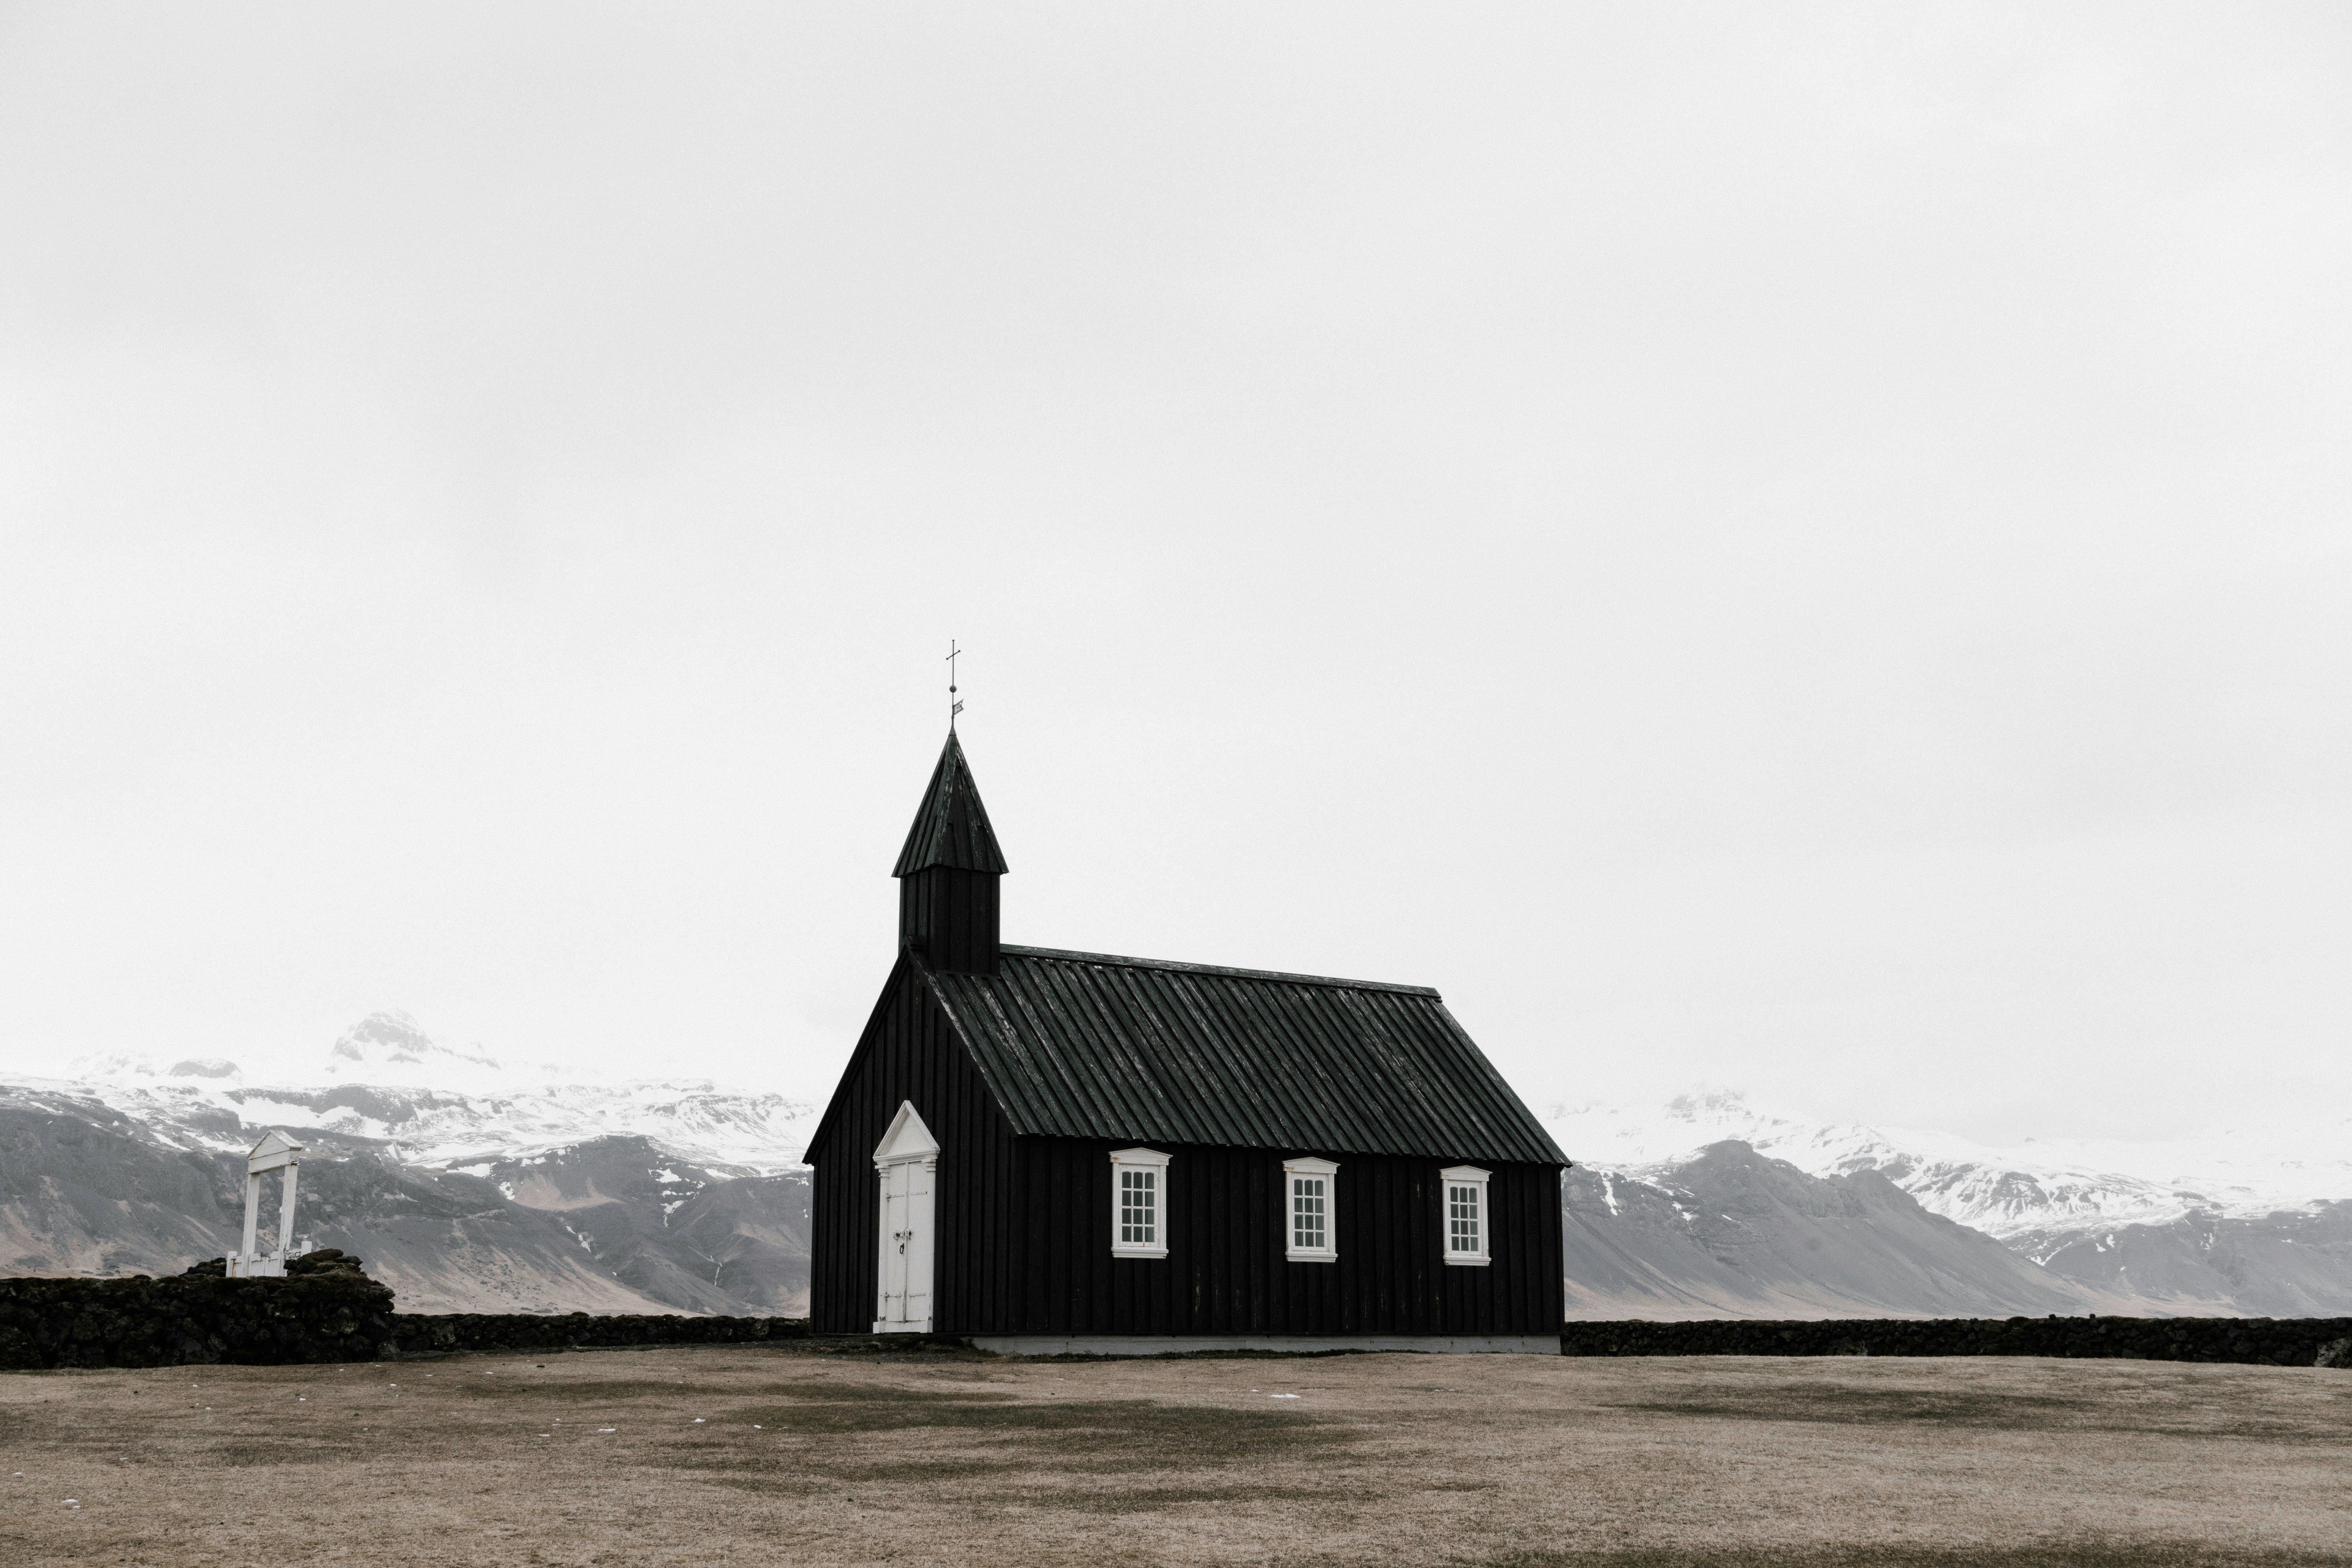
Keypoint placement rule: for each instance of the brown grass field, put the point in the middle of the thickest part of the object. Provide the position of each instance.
(792, 1455)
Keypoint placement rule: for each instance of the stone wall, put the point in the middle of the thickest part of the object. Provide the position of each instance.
(2276, 1342)
(193, 1319)
(326, 1310)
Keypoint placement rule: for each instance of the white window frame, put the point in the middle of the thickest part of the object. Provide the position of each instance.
(1329, 1170)
(1156, 1163)
(1448, 1179)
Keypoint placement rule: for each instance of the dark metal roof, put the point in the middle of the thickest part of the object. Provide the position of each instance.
(952, 828)
(1082, 1045)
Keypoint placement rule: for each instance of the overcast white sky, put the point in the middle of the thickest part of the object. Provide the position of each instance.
(1805, 548)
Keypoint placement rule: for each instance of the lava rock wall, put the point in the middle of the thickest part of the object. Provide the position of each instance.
(193, 1319)
(2273, 1342)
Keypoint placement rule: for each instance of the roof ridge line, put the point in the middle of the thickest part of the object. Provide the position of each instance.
(1183, 968)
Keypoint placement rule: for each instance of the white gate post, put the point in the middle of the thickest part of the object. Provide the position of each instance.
(285, 1213)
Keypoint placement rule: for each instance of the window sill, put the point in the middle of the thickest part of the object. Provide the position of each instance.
(1453, 1262)
(1311, 1258)
(1138, 1252)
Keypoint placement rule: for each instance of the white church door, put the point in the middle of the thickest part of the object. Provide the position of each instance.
(905, 1167)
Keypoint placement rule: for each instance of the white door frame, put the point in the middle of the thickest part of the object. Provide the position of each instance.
(906, 1172)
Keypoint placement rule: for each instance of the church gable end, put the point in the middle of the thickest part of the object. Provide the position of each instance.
(908, 1056)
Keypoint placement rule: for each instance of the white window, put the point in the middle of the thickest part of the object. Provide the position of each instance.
(1310, 1213)
(1463, 1210)
(1138, 1207)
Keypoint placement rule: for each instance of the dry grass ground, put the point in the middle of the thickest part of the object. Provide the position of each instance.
(791, 1456)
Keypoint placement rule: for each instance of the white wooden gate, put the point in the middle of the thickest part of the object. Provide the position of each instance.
(905, 1167)
(276, 1151)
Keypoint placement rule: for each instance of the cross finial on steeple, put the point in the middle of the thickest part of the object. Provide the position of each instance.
(954, 707)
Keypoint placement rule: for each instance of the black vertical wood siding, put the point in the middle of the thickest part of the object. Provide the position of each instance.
(909, 1054)
(1226, 1272)
(950, 918)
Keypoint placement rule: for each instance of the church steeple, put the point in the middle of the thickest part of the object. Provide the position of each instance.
(948, 871)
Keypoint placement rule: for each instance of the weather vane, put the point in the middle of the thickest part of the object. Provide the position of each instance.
(954, 707)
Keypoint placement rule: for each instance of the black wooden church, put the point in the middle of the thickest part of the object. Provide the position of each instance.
(1043, 1150)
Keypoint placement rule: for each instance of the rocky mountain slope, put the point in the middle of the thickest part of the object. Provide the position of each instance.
(614, 1225)
(1731, 1233)
(2286, 1264)
(502, 1195)
(2246, 1221)
(679, 1233)
(86, 1191)
(2038, 1186)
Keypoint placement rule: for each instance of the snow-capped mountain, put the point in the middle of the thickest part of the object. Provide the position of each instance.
(2253, 1221)
(1733, 1233)
(387, 1081)
(467, 1184)
(2039, 1189)
(392, 1048)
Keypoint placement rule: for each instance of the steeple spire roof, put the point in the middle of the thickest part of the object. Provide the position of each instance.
(951, 829)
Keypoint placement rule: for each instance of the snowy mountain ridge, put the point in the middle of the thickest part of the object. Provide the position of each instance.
(2025, 1195)
(387, 1082)
(392, 1048)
